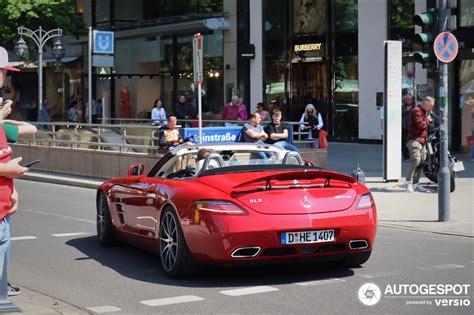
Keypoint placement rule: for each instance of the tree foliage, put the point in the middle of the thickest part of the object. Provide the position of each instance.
(49, 14)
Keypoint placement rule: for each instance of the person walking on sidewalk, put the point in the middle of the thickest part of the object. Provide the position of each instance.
(418, 124)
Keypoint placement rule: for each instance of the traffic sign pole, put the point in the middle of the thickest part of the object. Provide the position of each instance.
(198, 75)
(200, 111)
(444, 173)
(89, 78)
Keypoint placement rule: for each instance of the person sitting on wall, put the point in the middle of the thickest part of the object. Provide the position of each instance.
(311, 122)
(253, 132)
(277, 132)
(170, 135)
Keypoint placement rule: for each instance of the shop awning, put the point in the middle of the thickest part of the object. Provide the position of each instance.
(63, 60)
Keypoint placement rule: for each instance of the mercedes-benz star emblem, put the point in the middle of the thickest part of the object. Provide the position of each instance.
(306, 202)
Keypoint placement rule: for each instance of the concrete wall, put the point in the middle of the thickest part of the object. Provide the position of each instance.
(89, 163)
(100, 164)
(372, 34)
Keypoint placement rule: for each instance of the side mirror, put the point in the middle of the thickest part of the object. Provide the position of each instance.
(136, 170)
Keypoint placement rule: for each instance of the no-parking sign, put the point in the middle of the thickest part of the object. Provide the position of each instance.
(446, 47)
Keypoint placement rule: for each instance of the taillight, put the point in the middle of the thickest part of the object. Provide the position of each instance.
(219, 207)
(366, 201)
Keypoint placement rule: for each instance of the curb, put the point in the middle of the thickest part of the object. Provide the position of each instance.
(34, 302)
(415, 229)
(61, 180)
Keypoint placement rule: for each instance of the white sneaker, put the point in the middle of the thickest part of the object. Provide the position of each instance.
(420, 188)
(410, 187)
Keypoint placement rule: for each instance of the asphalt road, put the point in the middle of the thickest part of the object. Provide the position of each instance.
(54, 252)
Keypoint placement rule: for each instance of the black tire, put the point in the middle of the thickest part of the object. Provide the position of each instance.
(105, 229)
(176, 259)
(452, 186)
(431, 174)
(356, 259)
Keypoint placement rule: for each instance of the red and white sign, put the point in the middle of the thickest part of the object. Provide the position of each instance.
(197, 57)
(446, 47)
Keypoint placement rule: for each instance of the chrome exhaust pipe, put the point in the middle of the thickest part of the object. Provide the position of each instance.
(246, 252)
(358, 244)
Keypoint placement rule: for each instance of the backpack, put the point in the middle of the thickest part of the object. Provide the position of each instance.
(240, 136)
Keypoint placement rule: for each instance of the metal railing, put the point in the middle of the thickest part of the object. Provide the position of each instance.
(130, 135)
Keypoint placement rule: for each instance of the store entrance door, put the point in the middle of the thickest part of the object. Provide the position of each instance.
(309, 84)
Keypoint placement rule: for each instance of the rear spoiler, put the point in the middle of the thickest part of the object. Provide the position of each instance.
(295, 175)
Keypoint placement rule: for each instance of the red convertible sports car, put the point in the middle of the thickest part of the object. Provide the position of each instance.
(239, 203)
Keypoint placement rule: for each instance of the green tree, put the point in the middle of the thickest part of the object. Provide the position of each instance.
(49, 14)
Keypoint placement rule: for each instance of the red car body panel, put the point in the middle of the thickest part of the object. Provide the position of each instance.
(136, 204)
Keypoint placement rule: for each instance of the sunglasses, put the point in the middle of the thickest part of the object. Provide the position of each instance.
(310, 111)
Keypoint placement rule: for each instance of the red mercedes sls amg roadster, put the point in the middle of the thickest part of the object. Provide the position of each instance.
(240, 203)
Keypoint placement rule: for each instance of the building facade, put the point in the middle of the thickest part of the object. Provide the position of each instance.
(284, 53)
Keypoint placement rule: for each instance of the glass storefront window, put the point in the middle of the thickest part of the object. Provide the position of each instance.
(102, 12)
(153, 9)
(466, 98)
(466, 13)
(182, 72)
(346, 97)
(309, 16)
(345, 15)
(274, 26)
(274, 82)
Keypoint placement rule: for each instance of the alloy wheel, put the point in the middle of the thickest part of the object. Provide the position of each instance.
(168, 241)
(101, 208)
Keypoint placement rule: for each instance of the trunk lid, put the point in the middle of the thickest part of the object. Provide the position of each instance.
(288, 192)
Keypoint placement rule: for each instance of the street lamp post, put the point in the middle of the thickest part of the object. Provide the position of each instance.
(40, 37)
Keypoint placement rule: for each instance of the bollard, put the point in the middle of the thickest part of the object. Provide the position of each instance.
(359, 175)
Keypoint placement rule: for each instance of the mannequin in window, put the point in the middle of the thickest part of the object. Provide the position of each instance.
(125, 104)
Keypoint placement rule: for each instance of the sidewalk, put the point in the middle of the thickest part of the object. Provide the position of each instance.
(399, 209)
(34, 303)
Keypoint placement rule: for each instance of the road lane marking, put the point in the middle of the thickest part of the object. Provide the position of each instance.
(250, 290)
(172, 300)
(441, 267)
(104, 309)
(378, 274)
(60, 216)
(319, 282)
(70, 234)
(22, 238)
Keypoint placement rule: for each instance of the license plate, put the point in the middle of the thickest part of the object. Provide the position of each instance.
(307, 237)
(458, 166)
